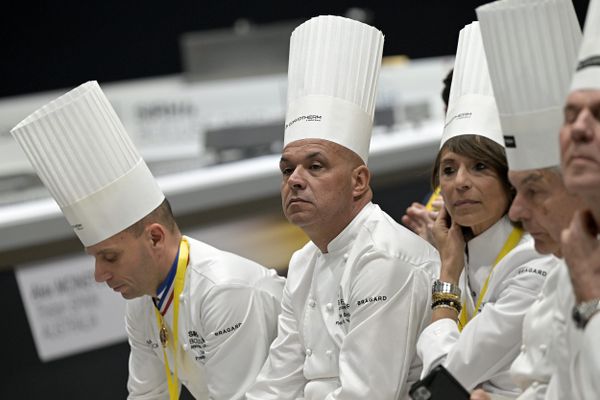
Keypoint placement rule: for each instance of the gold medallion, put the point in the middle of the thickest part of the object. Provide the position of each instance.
(164, 335)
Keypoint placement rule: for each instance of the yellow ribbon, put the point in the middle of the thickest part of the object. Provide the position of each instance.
(434, 196)
(172, 380)
(511, 242)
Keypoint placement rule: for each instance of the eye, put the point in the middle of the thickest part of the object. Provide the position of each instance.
(110, 258)
(571, 115)
(480, 166)
(447, 170)
(530, 193)
(285, 171)
(596, 112)
(315, 167)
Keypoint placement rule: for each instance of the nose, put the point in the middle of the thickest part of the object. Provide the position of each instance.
(296, 180)
(582, 128)
(101, 274)
(463, 178)
(518, 210)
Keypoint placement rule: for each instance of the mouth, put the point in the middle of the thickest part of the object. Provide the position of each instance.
(537, 234)
(581, 158)
(466, 202)
(296, 200)
(117, 288)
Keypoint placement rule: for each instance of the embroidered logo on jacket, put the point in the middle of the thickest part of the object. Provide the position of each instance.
(344, 314)
(197, 344)
(228, 330)
(530, 270)
(371, 300)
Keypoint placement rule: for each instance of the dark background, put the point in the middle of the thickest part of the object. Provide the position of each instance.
(60, 44)
(53, 45)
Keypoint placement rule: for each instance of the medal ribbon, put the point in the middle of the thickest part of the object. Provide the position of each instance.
(434, 196)
(172, 380)
(511, 242)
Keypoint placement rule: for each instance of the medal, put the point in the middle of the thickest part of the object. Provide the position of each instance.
(164, 335)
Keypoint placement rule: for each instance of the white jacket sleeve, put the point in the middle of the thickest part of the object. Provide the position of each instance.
(490, 341)
(147, 380)
(585, 373)
(238, 334)
(282, 376)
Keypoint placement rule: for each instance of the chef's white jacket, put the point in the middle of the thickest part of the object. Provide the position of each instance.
(544, 350)
(579, 377)
(585, 366)
(482, 353)
(227, 320)
(351, 317)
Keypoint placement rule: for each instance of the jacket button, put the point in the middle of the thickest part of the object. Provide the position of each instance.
(186, 346)
(523, 348)
(308, 352)
(181, 298)
(312, 303)
(543, 348)
(345, 256)
(329, 307)
(328, 353)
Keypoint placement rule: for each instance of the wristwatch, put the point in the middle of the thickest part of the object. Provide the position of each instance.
(582, 312)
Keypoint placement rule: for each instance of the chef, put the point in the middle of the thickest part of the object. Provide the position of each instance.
(490, 271)
(580, 162)
(530, 105)
(196, 315)
(357, 294)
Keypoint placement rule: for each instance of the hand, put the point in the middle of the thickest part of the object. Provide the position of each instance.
(581, 250)
(480, 394)
(450, 243)
(420, 220)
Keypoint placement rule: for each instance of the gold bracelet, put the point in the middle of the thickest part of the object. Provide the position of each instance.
(435, 296)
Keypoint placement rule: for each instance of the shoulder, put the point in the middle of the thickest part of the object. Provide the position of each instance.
(524, 259)
(217, 267)
(524, 267)
(381, 235)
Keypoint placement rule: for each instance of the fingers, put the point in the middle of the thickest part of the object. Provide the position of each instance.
(583, 228)
(438, 204)
(588, 223)
(480, 394)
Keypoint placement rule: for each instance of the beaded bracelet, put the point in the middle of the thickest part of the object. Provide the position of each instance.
(450, 303)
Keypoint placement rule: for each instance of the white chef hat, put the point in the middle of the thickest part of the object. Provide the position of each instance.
(471, 108)
(332, 82)
(587, 74)
(530, 47)
(81, 152)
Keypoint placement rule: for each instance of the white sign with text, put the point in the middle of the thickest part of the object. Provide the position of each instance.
(68, 311)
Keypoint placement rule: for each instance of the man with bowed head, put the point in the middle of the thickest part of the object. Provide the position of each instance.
(197, 316)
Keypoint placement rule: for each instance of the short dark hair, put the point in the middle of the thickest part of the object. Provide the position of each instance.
(479, 148)
(162, 215)
(446, 90)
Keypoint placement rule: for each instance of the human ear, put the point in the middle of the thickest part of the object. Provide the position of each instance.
(157, 234)
(361, 178)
